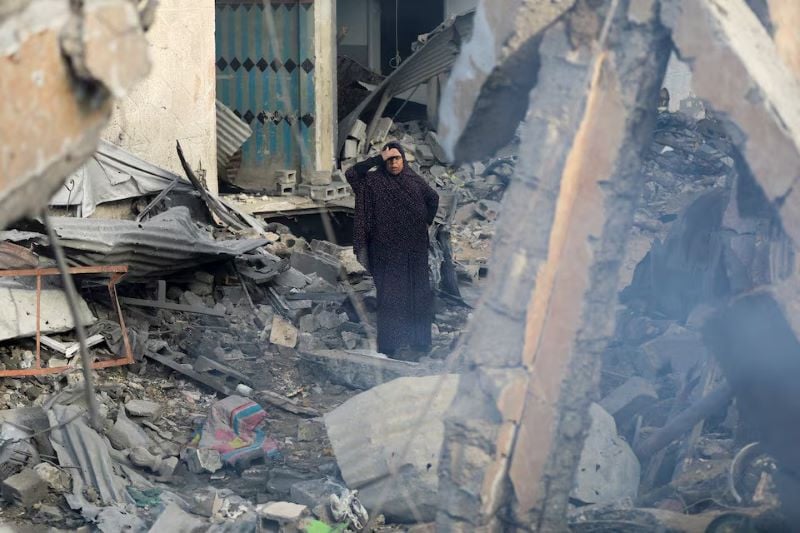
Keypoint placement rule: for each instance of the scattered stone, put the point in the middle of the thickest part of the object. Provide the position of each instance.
(310, 430)
(126, 434)
(25, 488)
(308, 324)
(382, 129)
(281, 480)
(190, 298)
(433, 144)
(175, 520)
(201, 289)
(323, 265)
(488, 209)
(438, 171)
(350, 263)
(281, 516)
(292, 278)
(50, 513)
(608, 470)
(330, 320)
(283, 332)
(307, 342)
(633, 395)
(144, 408)
(351, 340)
(314, 492)
(200, 460)
(58, 480)
(206, 503)
(143, 458)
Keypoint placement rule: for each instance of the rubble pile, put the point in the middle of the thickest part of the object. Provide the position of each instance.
(242, 335)
(695, 244)
(470, 192)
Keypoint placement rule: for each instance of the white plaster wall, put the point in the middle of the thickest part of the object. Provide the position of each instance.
(176, 102)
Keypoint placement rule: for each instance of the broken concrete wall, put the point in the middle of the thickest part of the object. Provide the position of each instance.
(61, 63)
(516, 429)
(176, 102)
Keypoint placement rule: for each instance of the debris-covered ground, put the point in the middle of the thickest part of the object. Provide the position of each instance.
(247, 343)
(255, 394)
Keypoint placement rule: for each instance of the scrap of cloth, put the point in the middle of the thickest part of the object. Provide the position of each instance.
(234, 428)
(391, 226)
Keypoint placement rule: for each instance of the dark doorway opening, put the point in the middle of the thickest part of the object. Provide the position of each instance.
(406, 19)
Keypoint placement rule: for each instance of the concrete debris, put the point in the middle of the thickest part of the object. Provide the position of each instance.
(283, 332)
(18, 311)
(608, 470)
(634, 394)
(164, 467)
(176, 520)
(369, 435)
(144, 408)
(127, 434)
(206, 503)
(202, 460)
(68, 51)
(358, 369)
(285, 515)
(58, 480)
(25, 488)
(315, 492)
(310, 430)
(323, 265)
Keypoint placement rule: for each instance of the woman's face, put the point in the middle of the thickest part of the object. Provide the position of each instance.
(393, 161)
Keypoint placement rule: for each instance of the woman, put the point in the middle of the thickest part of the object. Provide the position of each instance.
(394, 207)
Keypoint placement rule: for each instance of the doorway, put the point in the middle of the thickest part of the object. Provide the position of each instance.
(401, 23)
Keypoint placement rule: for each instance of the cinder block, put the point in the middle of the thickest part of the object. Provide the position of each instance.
(350, 149)
(317, 177)
(318, 192)
(25, 488)
(286, 177)
(382, 129)
(359, 131)
(285, 189)
(435, 146)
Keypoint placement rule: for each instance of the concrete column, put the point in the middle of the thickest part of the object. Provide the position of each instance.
(325, 83)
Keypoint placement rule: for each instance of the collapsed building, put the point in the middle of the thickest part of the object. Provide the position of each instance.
(187, 339)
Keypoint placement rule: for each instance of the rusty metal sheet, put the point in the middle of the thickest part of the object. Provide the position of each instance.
(15, 256)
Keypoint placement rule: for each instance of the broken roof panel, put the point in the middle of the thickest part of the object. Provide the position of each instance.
(168, 242)
(113, 174)
(437, 55)
(232, 132)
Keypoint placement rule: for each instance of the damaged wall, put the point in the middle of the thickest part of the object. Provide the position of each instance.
(176, 102)
(60, 67)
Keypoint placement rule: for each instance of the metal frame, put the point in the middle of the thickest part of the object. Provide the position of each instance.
(117, 273)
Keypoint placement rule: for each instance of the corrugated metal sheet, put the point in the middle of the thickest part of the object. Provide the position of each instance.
(168, 242)
(113, 174)
(13, 256)
(437, 55)
(232, 132)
